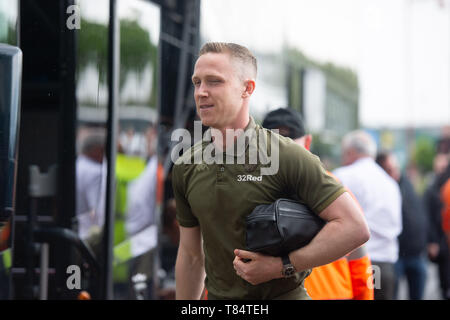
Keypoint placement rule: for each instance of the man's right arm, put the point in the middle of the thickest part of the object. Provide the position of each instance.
(189, 268)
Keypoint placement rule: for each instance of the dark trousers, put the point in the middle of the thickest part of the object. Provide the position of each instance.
(384, 280)
(414, 267)
(443, 262)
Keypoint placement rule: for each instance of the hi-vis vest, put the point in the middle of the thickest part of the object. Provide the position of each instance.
(347, 278)
(445, 196)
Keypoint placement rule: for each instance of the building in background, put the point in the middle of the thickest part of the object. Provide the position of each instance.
(326, 95)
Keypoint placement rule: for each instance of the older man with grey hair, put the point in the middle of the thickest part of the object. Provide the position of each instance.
(380, 199)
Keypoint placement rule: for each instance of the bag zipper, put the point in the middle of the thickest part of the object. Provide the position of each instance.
(296, 216)
(251, 218)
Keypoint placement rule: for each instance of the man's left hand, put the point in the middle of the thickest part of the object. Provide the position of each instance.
(257, 268)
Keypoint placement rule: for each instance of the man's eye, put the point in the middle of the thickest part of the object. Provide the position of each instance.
(196, 83)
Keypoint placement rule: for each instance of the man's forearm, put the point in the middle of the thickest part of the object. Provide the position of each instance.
(334, 241)
(346, 230)
(189, 277)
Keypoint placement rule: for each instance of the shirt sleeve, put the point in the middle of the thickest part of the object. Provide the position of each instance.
(141, 199)
(92, 190)
(184, 215)
(308, 179)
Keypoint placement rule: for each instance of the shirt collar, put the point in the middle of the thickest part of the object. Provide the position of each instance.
(229, 152)
(365, 159)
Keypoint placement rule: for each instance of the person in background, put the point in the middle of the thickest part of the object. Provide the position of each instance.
(443, 147)
(445, 197)
(438, 248)
(141, 222)
(347, 277)
(90, 190)
(89, 184)
(170, 239)
(380, 198)
(141, 195)
(413, 239)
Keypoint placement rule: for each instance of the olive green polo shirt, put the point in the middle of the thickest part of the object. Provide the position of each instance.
(218, 197)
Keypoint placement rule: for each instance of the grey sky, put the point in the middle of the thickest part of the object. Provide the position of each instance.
(399, 48)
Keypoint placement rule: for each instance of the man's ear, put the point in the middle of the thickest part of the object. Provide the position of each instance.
(249, 88)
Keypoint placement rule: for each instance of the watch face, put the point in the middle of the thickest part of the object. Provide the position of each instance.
(289, 271)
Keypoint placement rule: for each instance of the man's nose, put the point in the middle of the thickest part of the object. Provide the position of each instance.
(201, 91)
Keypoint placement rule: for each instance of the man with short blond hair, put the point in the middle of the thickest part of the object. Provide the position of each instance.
(239, 53)
(213, 199)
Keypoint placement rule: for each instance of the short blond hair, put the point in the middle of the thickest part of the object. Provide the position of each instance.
(236, 51)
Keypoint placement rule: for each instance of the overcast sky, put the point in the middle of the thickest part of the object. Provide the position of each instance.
(398, 48)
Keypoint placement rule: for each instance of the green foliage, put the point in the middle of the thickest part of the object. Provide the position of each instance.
(136, 51)
(10, 37)
(93, 47)
(345, 75)
(295, 99)
(342, 91)
(423, 154)
(319, 147)
(135, 46)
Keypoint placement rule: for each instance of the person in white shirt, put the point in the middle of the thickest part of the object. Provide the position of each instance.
(141, 209)
(90, 185)
(380, 199)
(141, 222)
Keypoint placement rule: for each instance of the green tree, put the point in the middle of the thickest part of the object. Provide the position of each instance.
(92, 47)
(136, 51)
(423, 154)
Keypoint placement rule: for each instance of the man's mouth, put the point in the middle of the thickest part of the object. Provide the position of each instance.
(206, 106)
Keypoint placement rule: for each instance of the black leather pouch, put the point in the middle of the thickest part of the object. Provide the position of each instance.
(281, 227)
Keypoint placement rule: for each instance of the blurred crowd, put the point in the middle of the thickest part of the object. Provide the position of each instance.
(408, 229)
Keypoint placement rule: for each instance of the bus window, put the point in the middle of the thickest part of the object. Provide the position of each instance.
(135, 233)
(92, 100)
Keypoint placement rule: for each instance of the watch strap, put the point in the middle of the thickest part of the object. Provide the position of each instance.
(286, 260)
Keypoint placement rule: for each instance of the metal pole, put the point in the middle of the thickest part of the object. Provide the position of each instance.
(43, 288)
(112, 125)
(184, 55)
(30, 253)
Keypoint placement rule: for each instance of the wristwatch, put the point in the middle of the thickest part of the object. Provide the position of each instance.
(288, 269)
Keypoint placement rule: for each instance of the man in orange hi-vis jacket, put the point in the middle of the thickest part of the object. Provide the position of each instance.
(349, 277)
